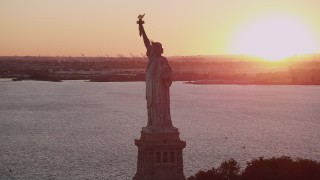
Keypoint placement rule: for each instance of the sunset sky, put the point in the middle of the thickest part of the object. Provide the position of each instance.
(268, 28)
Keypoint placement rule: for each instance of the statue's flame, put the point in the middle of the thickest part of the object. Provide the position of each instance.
(140, 16)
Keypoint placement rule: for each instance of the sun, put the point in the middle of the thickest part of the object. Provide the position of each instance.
(274, 37)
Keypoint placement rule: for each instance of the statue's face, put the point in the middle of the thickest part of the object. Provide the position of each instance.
(159, 49)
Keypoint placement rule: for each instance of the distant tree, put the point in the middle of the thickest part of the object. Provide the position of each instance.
(228, 170)
(282, 168)
(202, 175)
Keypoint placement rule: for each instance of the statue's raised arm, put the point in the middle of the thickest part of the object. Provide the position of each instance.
(142, 32)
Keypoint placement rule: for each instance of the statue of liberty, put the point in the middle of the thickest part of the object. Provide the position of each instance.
(159, 140)
(158, 82)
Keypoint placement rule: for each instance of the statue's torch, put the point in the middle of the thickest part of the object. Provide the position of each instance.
(140, 22)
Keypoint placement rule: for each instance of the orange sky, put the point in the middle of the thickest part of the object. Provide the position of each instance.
(184, 27)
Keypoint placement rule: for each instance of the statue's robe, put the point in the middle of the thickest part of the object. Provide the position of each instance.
(158, 81)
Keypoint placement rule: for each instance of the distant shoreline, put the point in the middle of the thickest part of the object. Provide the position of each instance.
(197, 82)
(193, 70)
(209, 82)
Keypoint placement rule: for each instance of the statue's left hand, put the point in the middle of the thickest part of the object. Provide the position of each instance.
(167, 82)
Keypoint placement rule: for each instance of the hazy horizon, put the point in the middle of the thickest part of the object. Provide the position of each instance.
(242, 57)
(268, 29)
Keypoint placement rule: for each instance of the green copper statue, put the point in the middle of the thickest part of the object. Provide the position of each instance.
(158, 82)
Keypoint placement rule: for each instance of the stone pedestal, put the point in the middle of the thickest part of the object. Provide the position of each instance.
(160, 155)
